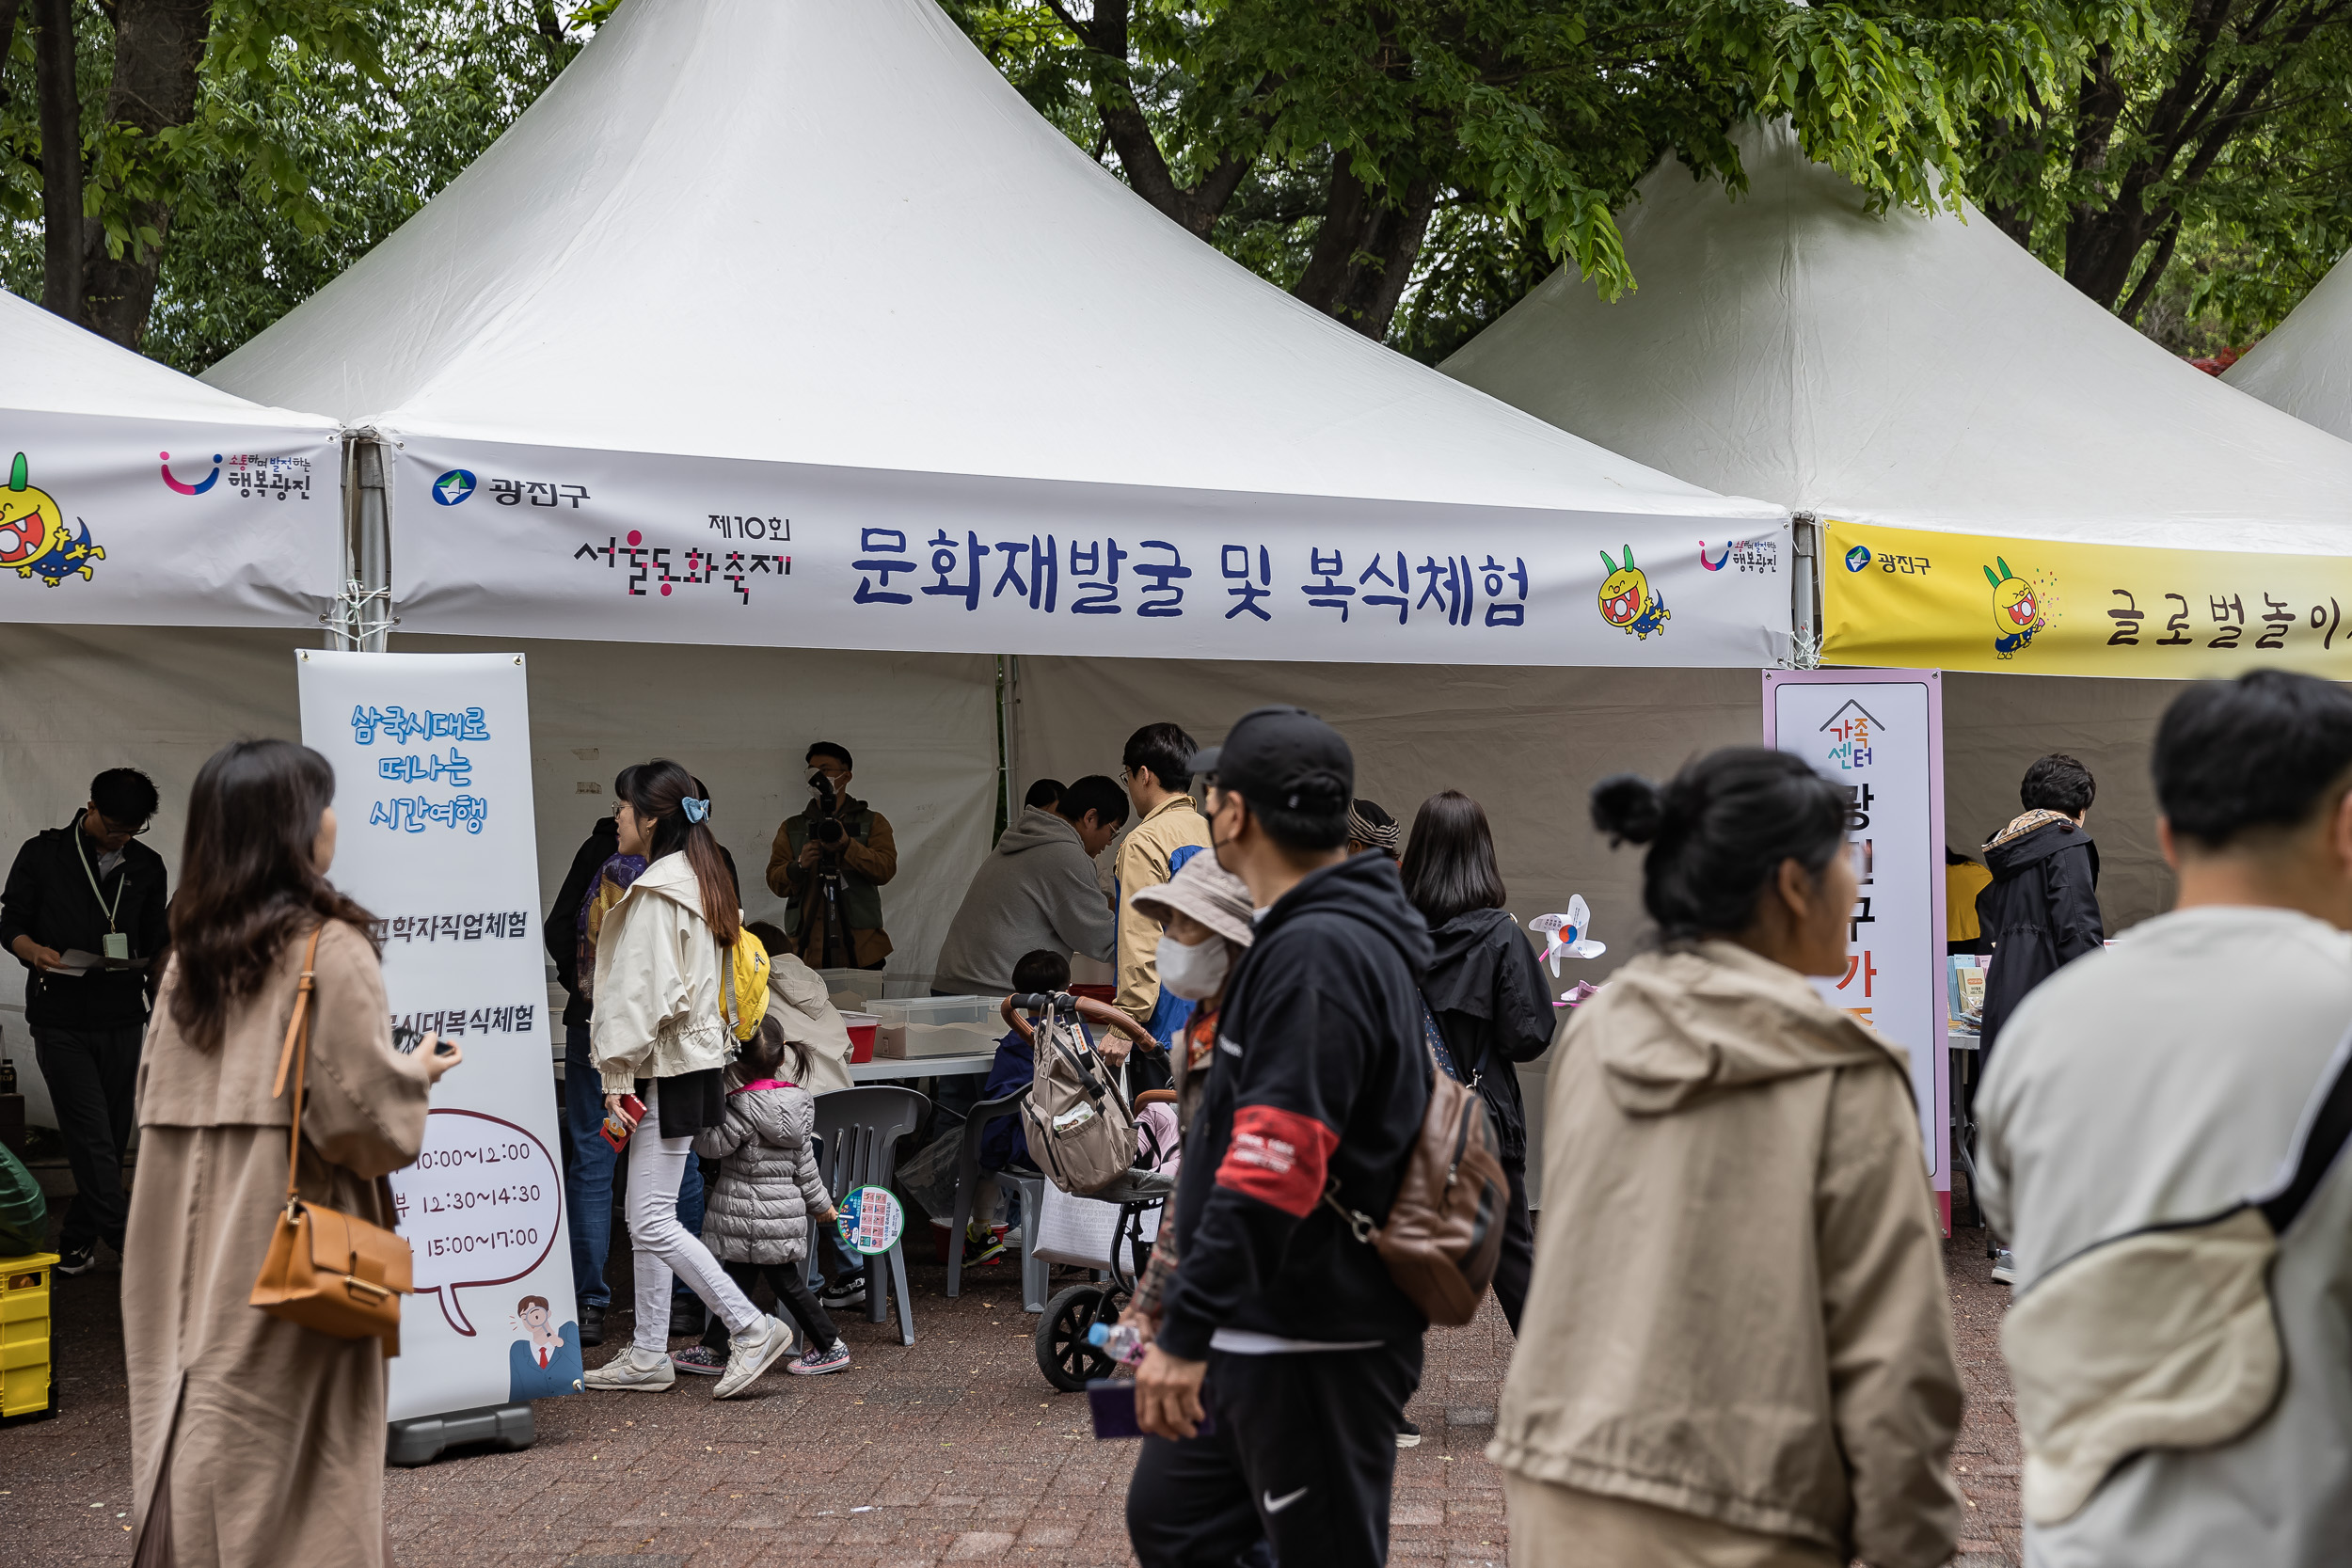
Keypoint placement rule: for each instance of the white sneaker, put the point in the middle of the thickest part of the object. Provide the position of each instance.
(2005, 1266)
(751, 1353)
(633, 1369)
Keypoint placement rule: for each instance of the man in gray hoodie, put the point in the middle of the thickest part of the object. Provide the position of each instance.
(1037, 889)
(2150, 1088)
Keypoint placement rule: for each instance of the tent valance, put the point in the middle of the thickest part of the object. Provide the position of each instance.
(497, 539)
(133, 495)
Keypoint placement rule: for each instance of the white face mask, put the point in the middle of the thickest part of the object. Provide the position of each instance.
(1195, 972)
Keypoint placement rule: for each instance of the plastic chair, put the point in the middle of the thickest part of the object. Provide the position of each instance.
(861, 1129)
(1030, 1188)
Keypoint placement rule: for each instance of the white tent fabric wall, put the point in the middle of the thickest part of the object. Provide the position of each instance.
(133, 495)
(2304, 368)
(1904, 370)
(172, 697)
(1530, 744)
(1994, 725)
(821, 263)
(921, 727)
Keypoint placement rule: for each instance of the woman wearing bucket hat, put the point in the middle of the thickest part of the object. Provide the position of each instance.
(1206, 915)
(1205, 911)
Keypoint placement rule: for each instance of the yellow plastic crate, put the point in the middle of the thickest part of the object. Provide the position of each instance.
(25, 1334)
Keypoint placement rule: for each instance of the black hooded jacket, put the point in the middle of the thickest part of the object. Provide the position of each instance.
(562, 930)
(1320, 1073)
(2040, 912)
(1488, 990)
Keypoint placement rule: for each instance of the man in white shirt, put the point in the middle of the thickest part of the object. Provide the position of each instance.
(2162, 1082)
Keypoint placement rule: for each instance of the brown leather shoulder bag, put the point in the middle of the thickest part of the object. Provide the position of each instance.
(328, 1270)
(1444, 1233)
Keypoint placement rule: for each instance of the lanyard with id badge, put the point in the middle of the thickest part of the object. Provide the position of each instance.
(116, 943)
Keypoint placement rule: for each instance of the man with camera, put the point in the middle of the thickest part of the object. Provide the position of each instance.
(828, 864)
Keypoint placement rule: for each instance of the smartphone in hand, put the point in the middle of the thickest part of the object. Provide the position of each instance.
(615, 1132)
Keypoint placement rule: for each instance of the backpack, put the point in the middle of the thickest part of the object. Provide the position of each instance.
(1081, 1133)
(743, 984)
(1444, 1235)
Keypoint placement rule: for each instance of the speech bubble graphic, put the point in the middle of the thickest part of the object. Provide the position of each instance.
(483, 1205)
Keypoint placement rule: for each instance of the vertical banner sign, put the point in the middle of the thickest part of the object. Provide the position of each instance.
(433, 808)
(1879, 733)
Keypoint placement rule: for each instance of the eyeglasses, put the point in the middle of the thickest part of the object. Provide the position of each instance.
(112, 827)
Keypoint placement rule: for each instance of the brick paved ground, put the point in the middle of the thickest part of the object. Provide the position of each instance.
(952, 1450)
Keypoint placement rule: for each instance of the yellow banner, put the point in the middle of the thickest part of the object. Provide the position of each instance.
(1958, 601)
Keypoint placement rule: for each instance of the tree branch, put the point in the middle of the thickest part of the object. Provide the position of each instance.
(61, 101)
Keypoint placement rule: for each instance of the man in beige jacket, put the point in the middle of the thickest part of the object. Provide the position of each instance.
(1158, 763)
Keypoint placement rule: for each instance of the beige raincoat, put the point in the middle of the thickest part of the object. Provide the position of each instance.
(274, 1433)
(1738, 1314)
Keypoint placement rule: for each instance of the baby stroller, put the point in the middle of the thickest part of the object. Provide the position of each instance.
(1106, 1229)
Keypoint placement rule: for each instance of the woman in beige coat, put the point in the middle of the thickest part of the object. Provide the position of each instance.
(254, 1440)
(1737, 1350)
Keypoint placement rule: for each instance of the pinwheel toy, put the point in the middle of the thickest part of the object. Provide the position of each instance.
(1564, 933)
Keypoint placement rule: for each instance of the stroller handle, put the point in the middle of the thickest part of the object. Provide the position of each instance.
(1043, 1001)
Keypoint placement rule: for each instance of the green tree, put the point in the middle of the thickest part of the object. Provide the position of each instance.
(204, 164)
(1411, 167)
(2197, 168)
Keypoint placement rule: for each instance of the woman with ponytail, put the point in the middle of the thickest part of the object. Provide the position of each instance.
(659, 1034)
(1737, 1349)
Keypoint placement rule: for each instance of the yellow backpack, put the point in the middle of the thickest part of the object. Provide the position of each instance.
(743, 982)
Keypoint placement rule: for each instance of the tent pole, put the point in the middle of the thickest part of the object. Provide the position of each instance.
(1007, 673)
(1805, 617)
(370, 548)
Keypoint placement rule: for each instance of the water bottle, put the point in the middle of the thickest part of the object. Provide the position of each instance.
(1119, 1341)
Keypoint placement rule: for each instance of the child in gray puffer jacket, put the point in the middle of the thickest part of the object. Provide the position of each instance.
(758, 1217)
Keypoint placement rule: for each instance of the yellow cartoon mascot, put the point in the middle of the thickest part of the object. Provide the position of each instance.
(1626, 601)
(2017, 609)
(33, 536)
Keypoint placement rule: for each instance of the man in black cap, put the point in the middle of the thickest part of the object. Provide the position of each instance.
(1279, 1324)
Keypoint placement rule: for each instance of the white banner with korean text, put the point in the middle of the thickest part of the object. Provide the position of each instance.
(143, 522)
(433, 807)
(1879, 733)
(501, 540)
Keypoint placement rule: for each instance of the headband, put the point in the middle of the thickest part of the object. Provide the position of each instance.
(696, 810)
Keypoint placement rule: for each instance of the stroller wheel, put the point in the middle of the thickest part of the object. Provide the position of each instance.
(1063, 1354)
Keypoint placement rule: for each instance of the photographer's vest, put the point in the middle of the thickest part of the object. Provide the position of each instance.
(861, 900)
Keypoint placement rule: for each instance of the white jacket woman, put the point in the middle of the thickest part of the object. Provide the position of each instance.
(660, 1036)
(660, 1011)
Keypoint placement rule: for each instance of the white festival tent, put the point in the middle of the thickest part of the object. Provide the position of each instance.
(134, 497)
(761, 279)
(1921, 373)
(760, 282)
(2305, 366)
(1908, 370)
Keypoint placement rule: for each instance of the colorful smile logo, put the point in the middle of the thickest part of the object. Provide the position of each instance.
(1720, 556)
(33, 536)
(199, 487)
(2017, 609)
(1626, 601)
(452, 486)
(1858, 558)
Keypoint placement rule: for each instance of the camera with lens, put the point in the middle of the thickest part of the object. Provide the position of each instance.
(826, 830)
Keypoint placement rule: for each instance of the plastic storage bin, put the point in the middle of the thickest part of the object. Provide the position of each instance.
(27, 1389)
(937, 1026)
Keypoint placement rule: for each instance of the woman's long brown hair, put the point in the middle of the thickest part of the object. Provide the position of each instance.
(247, 884)
(658, 792)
